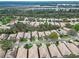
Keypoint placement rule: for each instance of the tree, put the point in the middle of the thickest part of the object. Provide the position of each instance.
(6, 44)
(6, 19)
(76, 27)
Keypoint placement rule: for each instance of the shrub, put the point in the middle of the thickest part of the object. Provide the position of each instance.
(65, 20)
(39, 44)
(72, 33)
(76, 40)
(57, 43)
(46, 26)
(68, 25)
(48, 44)
(23, 40)
(71, 56)
(33, 38)
(53, 35)
(1, 31)
(27, 46)
(63, 36)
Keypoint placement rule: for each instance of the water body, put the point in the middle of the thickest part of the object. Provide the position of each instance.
(31, 3)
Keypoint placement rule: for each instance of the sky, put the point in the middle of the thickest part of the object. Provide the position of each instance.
(39, 0)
